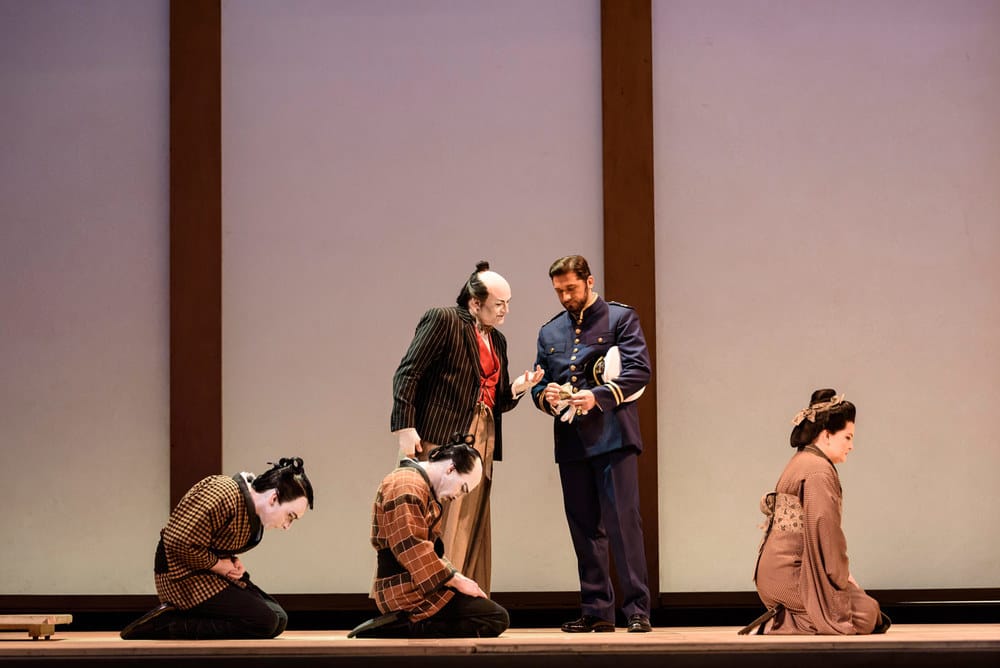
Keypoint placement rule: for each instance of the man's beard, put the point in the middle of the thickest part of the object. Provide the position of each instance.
(576, 306)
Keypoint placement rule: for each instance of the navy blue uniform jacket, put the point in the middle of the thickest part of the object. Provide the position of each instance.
(567, 351)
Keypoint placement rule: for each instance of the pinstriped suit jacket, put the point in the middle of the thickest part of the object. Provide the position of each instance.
(436, 386)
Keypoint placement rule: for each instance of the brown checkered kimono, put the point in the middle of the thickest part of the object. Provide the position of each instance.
(214, 520)
(403, 522)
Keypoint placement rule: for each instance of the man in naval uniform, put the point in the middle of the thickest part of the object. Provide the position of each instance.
(597, 441)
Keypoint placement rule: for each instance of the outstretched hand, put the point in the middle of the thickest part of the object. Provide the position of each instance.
(527, 380)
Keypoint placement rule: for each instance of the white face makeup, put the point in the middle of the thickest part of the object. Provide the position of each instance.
(492, 311)
(276, 515)
(453, 484)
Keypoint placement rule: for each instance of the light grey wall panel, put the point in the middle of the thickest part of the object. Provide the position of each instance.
(827, 216)
(83, 294)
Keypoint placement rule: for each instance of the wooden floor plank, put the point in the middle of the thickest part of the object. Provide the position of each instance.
(906, 637)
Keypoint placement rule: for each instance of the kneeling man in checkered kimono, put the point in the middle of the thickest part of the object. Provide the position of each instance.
(205, 592)
(420, 593)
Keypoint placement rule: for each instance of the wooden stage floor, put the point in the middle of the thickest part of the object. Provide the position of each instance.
(910, 645)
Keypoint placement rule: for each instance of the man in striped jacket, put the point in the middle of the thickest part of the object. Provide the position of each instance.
(452, 381)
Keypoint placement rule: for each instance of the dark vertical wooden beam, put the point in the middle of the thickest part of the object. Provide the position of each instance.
(629, 240)
(195, 242)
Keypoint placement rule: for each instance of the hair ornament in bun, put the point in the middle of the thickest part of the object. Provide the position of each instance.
(813, 410)
(293, 463)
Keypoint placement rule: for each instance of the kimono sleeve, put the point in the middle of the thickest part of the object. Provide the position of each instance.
(822, 502)
(190, 531)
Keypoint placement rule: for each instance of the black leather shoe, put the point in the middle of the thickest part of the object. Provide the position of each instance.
(588, 623)
(639, 624)
(142, 628)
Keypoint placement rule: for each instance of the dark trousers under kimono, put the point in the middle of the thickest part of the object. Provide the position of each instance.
(234, 613)
(461, 617)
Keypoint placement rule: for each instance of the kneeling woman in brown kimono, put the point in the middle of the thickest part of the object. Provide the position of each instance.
(803, 568)
(205, 592)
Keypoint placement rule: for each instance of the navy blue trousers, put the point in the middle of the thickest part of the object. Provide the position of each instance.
(601, 499)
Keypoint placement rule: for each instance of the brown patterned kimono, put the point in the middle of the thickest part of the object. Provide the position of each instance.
(803, 561)
(214, 520)
(411, 574)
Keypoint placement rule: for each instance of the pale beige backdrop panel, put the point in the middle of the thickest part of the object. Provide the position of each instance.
(372, 153)
(827, 215)
(84, 378)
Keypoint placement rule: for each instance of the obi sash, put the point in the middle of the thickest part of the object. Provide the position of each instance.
(782, 512)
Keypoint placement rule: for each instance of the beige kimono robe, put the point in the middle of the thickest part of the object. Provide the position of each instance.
(803, 558)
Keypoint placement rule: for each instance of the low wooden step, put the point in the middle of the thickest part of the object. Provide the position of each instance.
(35, 625)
